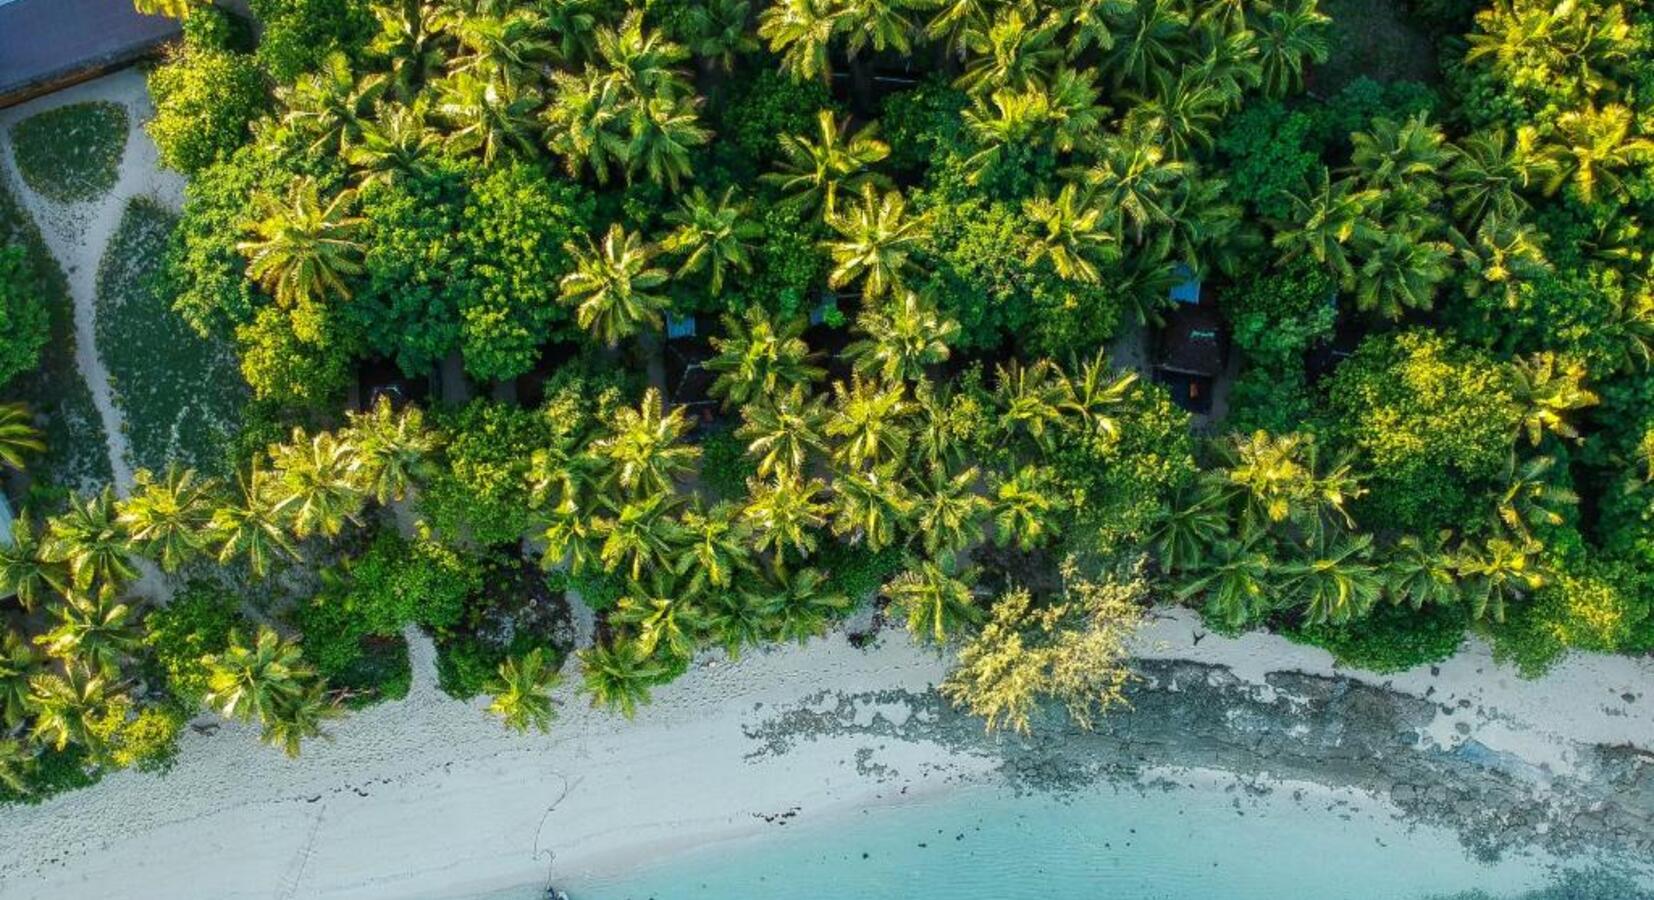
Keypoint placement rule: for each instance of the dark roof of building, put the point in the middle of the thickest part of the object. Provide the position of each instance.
(50, 44)
(1194, 341)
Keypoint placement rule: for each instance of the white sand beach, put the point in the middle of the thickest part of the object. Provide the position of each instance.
(429, 798)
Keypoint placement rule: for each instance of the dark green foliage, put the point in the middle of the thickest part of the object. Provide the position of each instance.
(25, 323)
(518, 610)
(1270, 153)
(1390, 639)
(1261, 399)
(298, 34)
(923, 124)
(397, 583)
(980, 268)
(725, 466)
(205, 99)
(75, 454)
(1116, 487)
(195, 623)
(599, 590)
(766, 105)
(409, 306)
(858, 572)
(1433, 422)
(380, 672)
(54, 772)
(1279, 315)
(73, 152)
(516, 225)
(482, 493)
(788, 265)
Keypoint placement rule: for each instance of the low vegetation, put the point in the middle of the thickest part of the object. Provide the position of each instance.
(71, 153)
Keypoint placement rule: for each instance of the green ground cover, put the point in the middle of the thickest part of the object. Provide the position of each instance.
(181, 393)
(1376, 39)
(76, 456)
(73, 152)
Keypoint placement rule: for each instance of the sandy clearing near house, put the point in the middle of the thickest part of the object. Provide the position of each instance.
(78, 233)
(427, 797)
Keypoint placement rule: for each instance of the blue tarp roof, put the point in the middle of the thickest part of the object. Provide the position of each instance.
(1188, 290)
(5, 522)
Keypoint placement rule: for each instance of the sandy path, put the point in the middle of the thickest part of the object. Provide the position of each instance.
(77, 234)
(428, 798)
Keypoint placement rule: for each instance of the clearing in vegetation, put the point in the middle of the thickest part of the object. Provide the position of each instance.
(71, 153)
(180, 392)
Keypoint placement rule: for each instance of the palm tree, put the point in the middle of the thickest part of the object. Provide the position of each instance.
(1594, 147)
(937, 603)
(1401, 272)
(1546, 389)
(24, 569)
(740, 618)
(1190, 524)
(253, 525)
(397, 141)
(94, 629)
(761, 356)
(1134, 181)
(1419, 571)
(89, 538)
(1097, 392)
(712, 236)
(815, 172)
(18, 664)
(612, 286)
(257, 682)
(168, 519)
(315, 489)
(784, 431)
(641, 61)
(662, 132)
(1236, 583)
(948, 511)
(876, 238)
(798, 605)
(507, 49)
(644, 450)
(873, 507)
(867, 420)
(298, 719)
(902, 339)
(785, 511)
(1272, 474)
(801, 31)
(570, 534)
(881, 24)
(331, 105)
(1149, 39)
(942, 423)
(1491, 169)
(1181, 113)
(1495, 572)
(618, 675)
(1335, 582)
(1406, 157)
(392, 450)
(488, 118)
(18, 436)
(1532, 496)
(1504, 255)
(302, 249)
(717, 547)
(1073, 234)
(1291, 34)
(585, 123)
(666, 614)
(1031, 399)
(408, 44)
(1010, 51)
(717, 31)
(641, 535)
(522, 691)
(1325, 220)
(70, 708)
(1027, 509)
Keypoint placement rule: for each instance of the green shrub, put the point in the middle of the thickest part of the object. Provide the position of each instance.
(725, 465)
(298, 34)
(205, 101)
(599, 590)
(379, 672)
(397, 583)
(1390, 639)
(482, 494)
(858, 572)
(54, 772)
(25, 322)
(195, 623)
(73, 152)
(767, 105)
(1276, 317)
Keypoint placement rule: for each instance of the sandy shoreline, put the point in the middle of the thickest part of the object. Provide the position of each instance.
(428, 798)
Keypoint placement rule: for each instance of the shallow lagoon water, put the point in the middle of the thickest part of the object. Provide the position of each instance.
(1188, 842)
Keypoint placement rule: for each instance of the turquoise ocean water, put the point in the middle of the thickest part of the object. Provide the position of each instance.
(1199, 843)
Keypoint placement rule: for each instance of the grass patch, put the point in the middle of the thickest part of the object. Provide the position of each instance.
(77, 456)
(71, 153)
(182, 394)
(1374, 38)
